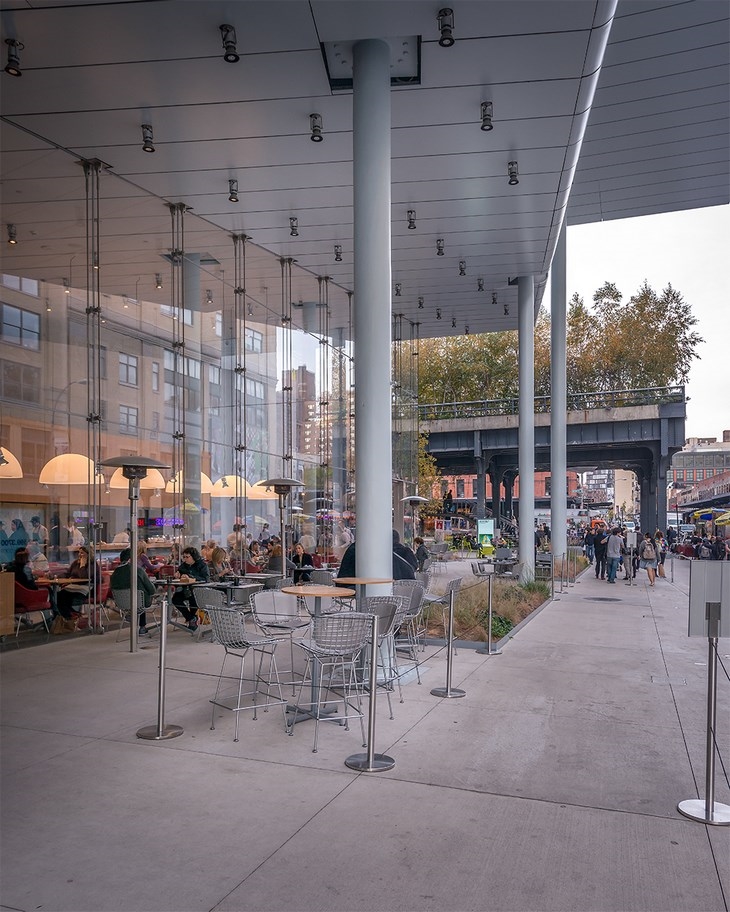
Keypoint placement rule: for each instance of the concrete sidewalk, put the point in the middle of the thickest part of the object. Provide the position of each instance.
(552, 786)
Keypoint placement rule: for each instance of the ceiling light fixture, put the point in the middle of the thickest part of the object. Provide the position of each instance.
(12, 235)
(438, 313)
(466, 330)
(420, 303)
(66, 289)
(398, 289)
(411, 219)
(487, 110)
(228, 36)
(232, 190)
(446, 26)
(512, 170)
(96, 262)
(315, 125)
(293, 226)
(209, 296)
(480, 284)
(462, 267)
(158, 280)
(147, 138)
(453, 322)
(12, 67)
(494, 299)
(338, 253)
(249, 309)
(439, 246)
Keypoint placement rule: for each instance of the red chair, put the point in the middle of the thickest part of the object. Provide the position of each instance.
(28, 601)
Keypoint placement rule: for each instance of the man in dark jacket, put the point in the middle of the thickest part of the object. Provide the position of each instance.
(402, 551)
(402, 569)
(121, 580)
(599, 546)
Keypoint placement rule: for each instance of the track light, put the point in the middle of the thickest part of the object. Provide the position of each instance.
(249, 309)
(158, 280)
(446, 26)
(487, 110)
(338, 253)
(438, 313)
(420, 303)
(293, 226)
(95, 264)
(398, 289)
(462, 267)
(480, 284)
(12, 67)
(208, 296)
(147, 138)
(439, 247)
(494, 299)
(228, 36)
(453, 322)
(12, 238)
(315, 125)
(512, 171)
(466, 330)
(411, 219)
(232, 190)
(66, 289)
(506, 309)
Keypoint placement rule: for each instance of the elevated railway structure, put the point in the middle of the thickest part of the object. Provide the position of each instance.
(637, 429)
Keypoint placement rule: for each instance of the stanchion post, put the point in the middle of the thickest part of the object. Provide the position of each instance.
(709, 811)
(552, 575)
(161, 732)
(371, 762)
(489, 651)
(448, 692)
(671, 564)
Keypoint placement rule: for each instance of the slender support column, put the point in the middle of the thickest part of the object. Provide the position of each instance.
(509, 493)
(661, 492)
(372, 309)
(481, 491)
(495, 477)
(526, 439)
(558, 401)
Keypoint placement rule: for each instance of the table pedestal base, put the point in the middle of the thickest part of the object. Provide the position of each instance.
(151, 732)
(448, 693)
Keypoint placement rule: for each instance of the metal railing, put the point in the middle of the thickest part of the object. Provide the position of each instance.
(576, 402)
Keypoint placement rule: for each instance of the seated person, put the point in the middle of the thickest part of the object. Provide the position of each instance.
(72, 596)
(277, 561)
(403, 551)
(121, 580)
(193, 569)
(143, 561)
(402, 570)
(218, 563)
(256, 555)
(23, 570)
(303, 565)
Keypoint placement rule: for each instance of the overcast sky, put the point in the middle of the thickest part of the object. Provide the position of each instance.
(688, 250)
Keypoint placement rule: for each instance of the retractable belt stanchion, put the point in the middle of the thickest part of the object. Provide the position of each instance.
(709, 810)
(161, 732)
(371, 762)
(489, 651)
(449, 692)
(671, 564)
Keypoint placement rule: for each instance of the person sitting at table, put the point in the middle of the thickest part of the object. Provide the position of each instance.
(174, 557)
(218, 564)
(303, 565)
(142, 560)
(23, 570)
(121, 579)
(276, 560)
(192, 568)
(73, 595)
(255, 552)
(403, 551)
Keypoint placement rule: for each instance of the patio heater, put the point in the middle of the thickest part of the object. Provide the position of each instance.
(282, 487)
(414, 501)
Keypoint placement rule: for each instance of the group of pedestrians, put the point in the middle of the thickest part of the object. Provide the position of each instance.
(607, 549)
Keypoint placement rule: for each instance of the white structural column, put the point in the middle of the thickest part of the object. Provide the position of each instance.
(526, 439)
(558, 401)
(372, 307)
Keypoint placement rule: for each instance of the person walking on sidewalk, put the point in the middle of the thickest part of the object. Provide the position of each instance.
(589, 542)
(599, 546)
(648, 557)
(614, 546)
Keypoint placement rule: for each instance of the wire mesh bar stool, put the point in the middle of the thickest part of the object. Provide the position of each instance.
(391, 611)
(412, 630)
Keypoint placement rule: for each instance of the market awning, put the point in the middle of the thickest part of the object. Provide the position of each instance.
(723, 519)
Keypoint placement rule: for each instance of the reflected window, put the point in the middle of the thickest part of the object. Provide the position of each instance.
(128, 419)
(155, 376)
(20, 327)
(20, 382)
(167, 311)
(254, 340)
(17, 283)
(128, 369)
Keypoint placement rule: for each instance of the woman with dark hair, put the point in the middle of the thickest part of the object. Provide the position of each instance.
(192, 569)
(18, 534)
(303, 565)
(73, 595)
(23, 570)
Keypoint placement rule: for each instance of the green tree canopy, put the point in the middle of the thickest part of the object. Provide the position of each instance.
(648, 340)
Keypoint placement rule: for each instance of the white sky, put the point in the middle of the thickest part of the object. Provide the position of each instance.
(689, 250)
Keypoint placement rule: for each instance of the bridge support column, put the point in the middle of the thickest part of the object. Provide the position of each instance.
(481, 492)
(495, 477)
(372, 308)
(526, 455)
(509, 493)
(558, 401)
(661, 492)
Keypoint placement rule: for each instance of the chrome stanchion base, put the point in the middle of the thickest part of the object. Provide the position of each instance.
(361, 762)
(696, 809)
(151, 732)
(452, 693)
(488, 652)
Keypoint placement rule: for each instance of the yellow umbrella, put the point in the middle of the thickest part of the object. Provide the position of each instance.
(723, 519)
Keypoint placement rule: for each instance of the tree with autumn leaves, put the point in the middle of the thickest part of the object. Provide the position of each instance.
(612, 344)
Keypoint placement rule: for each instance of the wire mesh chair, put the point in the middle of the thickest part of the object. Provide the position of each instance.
(443, 600)
(123, 606)
(204, 596)
(391, 611)
(284, 582)
(332, 654)
(413, 629)
(277, 614)
(321, 577)
(229, 629)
